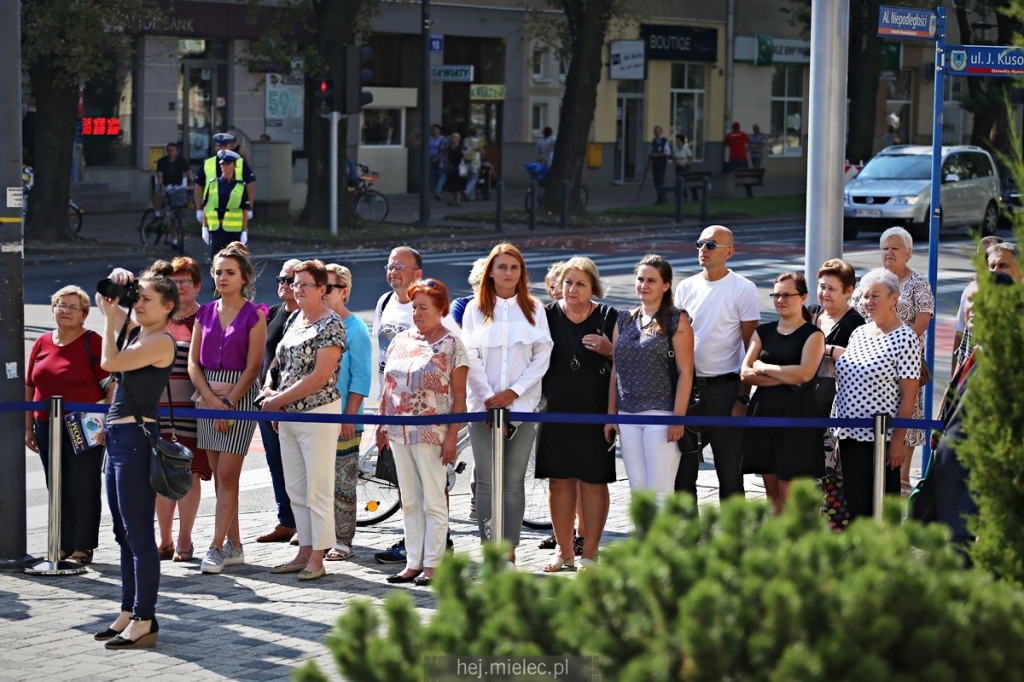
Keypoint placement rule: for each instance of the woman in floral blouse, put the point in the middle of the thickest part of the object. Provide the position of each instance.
(425, 374)
(308, 358)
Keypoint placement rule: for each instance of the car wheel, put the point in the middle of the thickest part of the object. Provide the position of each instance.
(919, 231)
(990, 220)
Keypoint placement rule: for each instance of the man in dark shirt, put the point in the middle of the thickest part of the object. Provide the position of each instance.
(658, 160)
(171, 171)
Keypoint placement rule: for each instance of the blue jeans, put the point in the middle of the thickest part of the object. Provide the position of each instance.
(272, 446)
(80, 490)
(132, 505)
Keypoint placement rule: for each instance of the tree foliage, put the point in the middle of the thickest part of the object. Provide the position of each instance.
(734, 594)
(64, 44)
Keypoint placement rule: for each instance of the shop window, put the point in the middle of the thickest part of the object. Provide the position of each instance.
(383, 128)
(538, 118)
(786, 135)
(688, 106)
(107, 106)
(898, 86)
(563, 68)
(539, 64)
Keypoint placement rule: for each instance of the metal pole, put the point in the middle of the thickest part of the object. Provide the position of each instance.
(882, 424)
(499, 422)
(563, 221)
(826, 132)
(534, 188)
(936, 210)
(53, 565)
(426, 188)
(679, 199)
(335, 119)
(13, 519)
(499, 207)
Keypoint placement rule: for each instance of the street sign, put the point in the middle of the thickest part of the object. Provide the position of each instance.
(986, 60)
(905, 22)
(451, 73)
(436, 43)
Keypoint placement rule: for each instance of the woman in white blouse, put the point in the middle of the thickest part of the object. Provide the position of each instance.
(509, 346)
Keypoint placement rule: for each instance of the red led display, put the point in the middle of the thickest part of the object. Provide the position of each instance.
(98, 125)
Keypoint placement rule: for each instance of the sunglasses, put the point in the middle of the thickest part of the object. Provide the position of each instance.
(285, 280)
(710, 243)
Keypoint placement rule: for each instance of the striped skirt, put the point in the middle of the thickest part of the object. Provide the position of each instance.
(239, 436)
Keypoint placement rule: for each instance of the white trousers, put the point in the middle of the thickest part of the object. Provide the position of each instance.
(307, 458)
(422, 479)
(651, 461)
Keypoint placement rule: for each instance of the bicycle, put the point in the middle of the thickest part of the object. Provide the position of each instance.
(74, 212)
(370, 204)
(539, 172)
(170, 226)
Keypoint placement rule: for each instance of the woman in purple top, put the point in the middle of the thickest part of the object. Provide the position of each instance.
(224, 364)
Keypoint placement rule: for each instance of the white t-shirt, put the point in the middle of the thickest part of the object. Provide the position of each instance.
(718, 310)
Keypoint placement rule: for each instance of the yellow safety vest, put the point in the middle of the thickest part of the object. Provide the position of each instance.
(210, 171)
(232, 214)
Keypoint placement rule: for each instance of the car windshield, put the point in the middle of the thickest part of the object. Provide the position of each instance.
(898, 167)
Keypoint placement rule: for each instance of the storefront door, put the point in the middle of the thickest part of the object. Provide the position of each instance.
(203, 93)
(629, 138)
(486, 118)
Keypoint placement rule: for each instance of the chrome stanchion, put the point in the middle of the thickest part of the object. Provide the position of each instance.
(499, 422)
(53, 565)
(882, 424)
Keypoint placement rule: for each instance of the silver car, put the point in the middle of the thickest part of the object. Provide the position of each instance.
(894, 188)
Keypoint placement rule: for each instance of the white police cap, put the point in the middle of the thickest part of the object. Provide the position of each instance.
(227, 156)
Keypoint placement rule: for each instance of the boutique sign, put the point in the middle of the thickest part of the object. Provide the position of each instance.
(680, 43)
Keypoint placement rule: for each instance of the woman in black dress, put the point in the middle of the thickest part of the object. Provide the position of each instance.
(572, 455)
(781, 358)
(455, 155)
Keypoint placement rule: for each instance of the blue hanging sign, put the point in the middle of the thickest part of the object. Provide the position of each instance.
(906, 22)
(985, 60)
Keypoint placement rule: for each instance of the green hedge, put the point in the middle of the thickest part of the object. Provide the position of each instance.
(734, 594)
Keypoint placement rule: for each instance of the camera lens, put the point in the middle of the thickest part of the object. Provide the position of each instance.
(110, 289)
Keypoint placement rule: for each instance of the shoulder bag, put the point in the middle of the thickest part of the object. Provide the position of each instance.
(170, 464)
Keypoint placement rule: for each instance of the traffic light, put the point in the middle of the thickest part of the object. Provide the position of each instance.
(324, 93)
(355, 98)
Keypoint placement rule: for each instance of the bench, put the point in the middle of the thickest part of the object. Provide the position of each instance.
(748, 177)
(694, 182)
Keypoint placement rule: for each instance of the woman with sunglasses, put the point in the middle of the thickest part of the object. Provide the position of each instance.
(307, 360)
(782, 358)
(505, 330)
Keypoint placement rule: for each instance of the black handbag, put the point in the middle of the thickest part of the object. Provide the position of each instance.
(386, 470)
(170, 464)
(824, 386)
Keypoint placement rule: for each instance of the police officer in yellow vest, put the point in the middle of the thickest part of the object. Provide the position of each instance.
(211, 169)
(225, 206)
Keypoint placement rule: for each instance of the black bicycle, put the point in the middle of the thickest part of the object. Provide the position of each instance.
(539, 172)
(371, 205)
(170, 226)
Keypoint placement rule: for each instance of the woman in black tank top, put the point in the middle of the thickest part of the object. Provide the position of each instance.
(143, 367)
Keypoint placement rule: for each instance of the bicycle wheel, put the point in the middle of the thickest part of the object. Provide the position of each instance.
(178, 230)
(537, 513)
(147, 227)
(372, 206)
(376, 500)
(74, 217)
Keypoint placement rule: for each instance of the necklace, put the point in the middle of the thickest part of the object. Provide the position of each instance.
(182, 318)
(429, 337)
(574, 364)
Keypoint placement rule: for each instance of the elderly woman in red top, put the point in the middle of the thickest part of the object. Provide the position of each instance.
(66, 362)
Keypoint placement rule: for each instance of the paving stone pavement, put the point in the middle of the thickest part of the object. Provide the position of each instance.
(245, 623)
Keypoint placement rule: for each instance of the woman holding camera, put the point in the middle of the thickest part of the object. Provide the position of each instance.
(224, 364)
(144, 366)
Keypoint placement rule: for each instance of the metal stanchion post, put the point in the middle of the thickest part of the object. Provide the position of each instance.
(563, 221)
(499, 207)
(882, 423)
(53, 565)
(679, 199)
(499, 422)
(704, 201)
(534, 188)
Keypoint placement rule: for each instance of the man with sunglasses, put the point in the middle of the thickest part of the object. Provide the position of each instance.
(725, 313)
(276, 319)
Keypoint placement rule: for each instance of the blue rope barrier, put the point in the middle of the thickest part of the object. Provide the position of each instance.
(540, 417)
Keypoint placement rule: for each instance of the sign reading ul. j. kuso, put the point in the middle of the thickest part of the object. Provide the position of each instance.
(985, 60)
(452, 73)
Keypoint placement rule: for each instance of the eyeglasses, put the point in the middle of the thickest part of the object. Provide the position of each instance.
(401, 267)
(182, 282)
(782, 297)
(300, 286)
(67, 308)
(710, 243)
(285, 280)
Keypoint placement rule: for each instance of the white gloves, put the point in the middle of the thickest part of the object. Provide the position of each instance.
(206, 235)
(249, 216)
(199, 216)
(245, 237)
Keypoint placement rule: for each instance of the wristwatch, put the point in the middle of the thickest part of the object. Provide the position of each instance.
(745, 399)
(227, 402)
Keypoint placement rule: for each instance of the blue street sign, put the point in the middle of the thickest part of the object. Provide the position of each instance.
(436, 43)
(904, 22)
(985, 60)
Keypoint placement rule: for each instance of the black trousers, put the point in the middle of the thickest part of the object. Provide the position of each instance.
(726, 442)
(858, 462)
(80, 498)
(658, 164)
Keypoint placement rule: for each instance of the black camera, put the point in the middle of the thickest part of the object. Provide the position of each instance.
(127, 294)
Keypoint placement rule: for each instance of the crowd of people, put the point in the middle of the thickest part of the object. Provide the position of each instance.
(458, 166)
(702, 343)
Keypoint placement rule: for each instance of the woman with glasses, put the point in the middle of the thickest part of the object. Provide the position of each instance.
(506, 334)
(424, 374)
(66, 362)
(652, 375)
(354, 378)
(307, 363)
(224, 364)
(782, 358)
